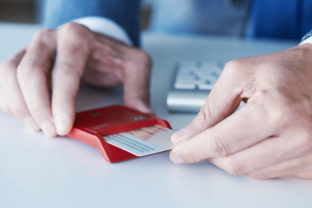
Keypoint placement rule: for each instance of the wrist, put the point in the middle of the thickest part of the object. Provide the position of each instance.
(306, 47)
(306, 41)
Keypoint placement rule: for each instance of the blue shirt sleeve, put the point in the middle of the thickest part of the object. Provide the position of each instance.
(124, 13)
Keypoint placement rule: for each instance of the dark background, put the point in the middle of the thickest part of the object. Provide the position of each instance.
(29, 11)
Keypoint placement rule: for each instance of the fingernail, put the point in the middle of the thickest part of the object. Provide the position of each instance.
(62, 124)
(178, 136)
(48, 129)
(31, 124)
(175, 158)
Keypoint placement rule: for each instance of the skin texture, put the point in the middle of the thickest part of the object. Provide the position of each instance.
(39, 84)
(271, 135)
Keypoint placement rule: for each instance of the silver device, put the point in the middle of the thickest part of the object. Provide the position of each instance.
(191, 84)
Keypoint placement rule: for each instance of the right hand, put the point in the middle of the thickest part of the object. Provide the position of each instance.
(270, 136)
(39, 84)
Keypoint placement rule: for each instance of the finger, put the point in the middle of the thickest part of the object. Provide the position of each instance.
(137, 82)
(294, 168)
(3, 104)
(267, 153)
(303, 175)
(240, 130)
(3, 101)
(8, 64)
(222, 101)
(32, 76)
(72, 53)
(12, 92)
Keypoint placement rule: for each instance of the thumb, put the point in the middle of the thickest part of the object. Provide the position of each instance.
(222, 101)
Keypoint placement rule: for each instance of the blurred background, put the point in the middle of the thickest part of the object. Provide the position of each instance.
(28, 11)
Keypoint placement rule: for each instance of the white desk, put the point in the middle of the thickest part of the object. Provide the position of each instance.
(39, 172)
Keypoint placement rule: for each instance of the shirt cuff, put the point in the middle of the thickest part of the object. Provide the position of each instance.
(106, 27)
(307, 40)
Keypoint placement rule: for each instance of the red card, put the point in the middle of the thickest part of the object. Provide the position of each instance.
(92, 126)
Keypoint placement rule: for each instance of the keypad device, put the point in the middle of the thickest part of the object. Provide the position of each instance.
(191, 85)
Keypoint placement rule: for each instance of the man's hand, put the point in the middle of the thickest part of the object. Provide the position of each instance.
(39, 84)
(269, 137)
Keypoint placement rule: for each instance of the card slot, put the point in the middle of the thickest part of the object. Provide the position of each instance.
(125, 120)
(115, 129)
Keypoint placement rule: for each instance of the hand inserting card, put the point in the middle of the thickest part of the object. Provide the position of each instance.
(121, 133)
(143, 141)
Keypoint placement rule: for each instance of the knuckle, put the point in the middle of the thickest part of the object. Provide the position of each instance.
(43, 35)
(30, 61)
(27, 69)
(234, 168)
(204, 114)
(236, 72)
(74, 48)
(138, 62)
(304, 140)
(278, 115)
(66, 66)
(274, 112)
(75, 31)
(143, 58)
(78, 38)
(71, 26)
(232, 66)
(67, 69)
(218, 146)
(26, 75)
(202, 119)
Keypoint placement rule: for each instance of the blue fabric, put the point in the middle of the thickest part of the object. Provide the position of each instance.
(280, 19)
(283, 19)
(198, 17)
(123, 12)
(306, 24)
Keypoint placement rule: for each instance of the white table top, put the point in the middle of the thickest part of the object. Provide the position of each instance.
(36, 171)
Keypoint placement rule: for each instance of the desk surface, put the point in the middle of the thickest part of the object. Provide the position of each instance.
(39, 172)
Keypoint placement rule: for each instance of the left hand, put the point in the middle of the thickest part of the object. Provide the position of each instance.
(269, 137)
(39, 84)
